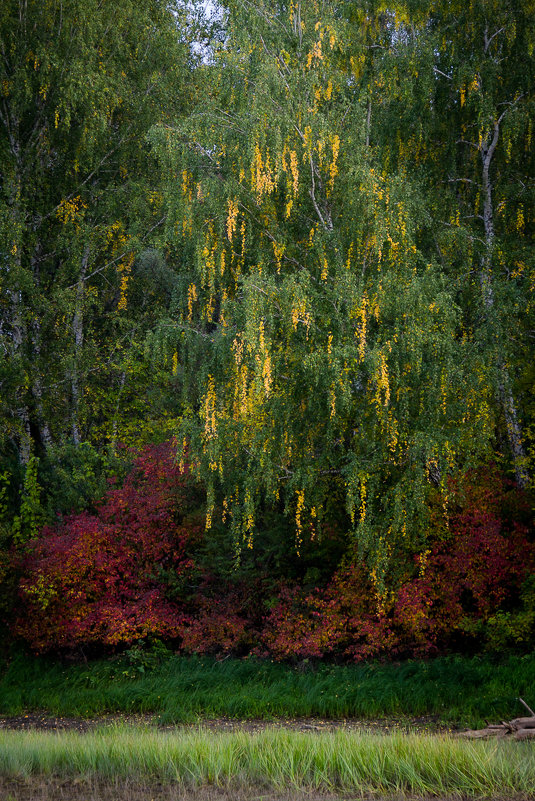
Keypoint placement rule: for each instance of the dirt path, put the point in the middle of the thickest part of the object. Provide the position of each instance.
(51, 789)
(59, 790)
(33, 720)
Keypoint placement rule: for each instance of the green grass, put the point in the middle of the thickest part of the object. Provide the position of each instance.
(395, 764)
(459, 691)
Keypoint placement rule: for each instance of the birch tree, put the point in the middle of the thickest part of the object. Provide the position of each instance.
(484, 116)
(331, 362)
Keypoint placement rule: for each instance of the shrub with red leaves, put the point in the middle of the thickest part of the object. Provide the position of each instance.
(475, 569)
(95, 578)
(477, 565)
(343, 619)
(222, 623)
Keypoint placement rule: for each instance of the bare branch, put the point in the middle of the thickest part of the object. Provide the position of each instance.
(439, 72)
(463, 181)
(466, 142)
(327, 223)
(120, 256)
(487, 40)
(264, 16)
(531, 712)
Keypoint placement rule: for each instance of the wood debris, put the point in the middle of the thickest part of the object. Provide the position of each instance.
(517, 729)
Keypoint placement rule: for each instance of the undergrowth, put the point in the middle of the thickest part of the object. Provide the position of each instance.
(458, 691)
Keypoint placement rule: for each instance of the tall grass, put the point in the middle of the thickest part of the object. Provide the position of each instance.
(178, 689)
(395, 764)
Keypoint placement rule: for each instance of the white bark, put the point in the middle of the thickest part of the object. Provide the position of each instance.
(78, 331)
(37, 385)
(368, 122)
(18, 333)
(514, 431)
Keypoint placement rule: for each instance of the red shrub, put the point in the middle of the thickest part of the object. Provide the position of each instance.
(221, 625)
(300, 625)
(475, 566)
(95, 579)
(342, 619)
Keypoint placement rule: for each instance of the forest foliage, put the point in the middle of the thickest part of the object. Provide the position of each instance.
(267, 322)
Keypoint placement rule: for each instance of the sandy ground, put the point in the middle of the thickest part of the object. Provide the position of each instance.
(60, 790)
(34, 720)
(55, 790)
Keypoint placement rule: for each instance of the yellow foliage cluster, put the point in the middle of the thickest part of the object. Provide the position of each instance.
(520, 219)
(315, 54)
(71, 210)
(332, 401)
(232, 218)
(382, 381)
(124, 268)
(333, 168)
(264, 360)
(187, 184)
(192, 297)
(363, 493)
(289, 164)
(262, 174)
(360, 332)
(278, 250)
(209, 410)
(300, 314)
(298, 519)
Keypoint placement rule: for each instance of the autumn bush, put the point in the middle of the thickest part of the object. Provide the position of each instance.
(93, 579)
(224, 620)
(456, 596)
(137, 569)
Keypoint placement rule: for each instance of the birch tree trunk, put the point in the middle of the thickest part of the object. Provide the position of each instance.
(37, 389)
(21, 412)
(78, 331)
(37, 384)
(505, 393)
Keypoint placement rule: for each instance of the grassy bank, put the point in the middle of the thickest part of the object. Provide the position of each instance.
(396, 764)
(459, 691)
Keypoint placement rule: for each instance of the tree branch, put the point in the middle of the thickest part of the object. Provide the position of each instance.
(487, 40)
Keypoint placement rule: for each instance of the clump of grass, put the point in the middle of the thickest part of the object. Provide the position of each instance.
(459, 691)
(341, 761)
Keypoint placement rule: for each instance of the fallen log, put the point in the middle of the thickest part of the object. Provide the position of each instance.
(488, 731)
(523, 723)
(524, 734)
(518, 728)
